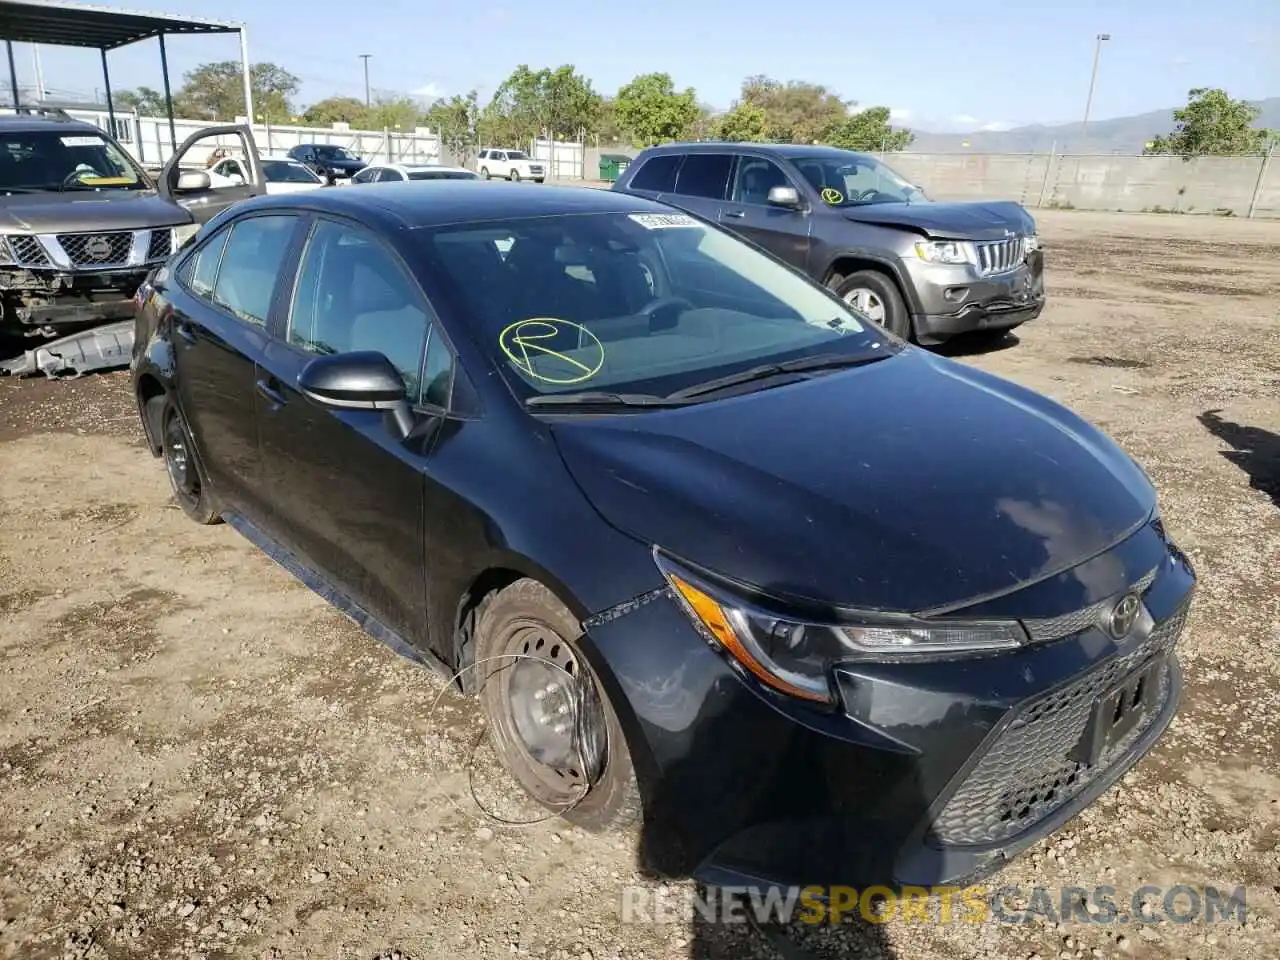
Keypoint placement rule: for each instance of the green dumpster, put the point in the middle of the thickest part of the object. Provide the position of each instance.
(612, 164)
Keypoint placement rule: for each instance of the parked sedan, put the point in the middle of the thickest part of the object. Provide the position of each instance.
(282, 175)
(400, 172)
(709, 545)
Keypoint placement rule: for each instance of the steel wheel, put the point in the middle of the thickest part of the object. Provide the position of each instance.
(867, 303)
(549, 728)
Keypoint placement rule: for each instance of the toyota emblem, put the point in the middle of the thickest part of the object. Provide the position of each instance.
(99, 248)
(1123, 616)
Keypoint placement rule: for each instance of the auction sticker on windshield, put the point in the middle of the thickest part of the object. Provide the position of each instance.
(658, 221)
(81, 141)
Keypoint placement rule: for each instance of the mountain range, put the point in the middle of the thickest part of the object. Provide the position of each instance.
(1123, 135)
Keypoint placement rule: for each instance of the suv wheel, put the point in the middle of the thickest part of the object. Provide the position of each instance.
(484, 173)
(876, 296)
(526, 665)
(514, 176)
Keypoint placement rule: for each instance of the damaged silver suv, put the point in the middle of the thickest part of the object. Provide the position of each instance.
(82, 224)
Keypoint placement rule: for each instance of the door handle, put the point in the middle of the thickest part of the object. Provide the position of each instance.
(185, 331)
(736, 214)
(268, 390)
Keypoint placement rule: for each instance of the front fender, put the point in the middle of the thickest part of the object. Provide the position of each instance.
(878, 256)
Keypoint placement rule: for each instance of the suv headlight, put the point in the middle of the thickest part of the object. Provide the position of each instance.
(946, 251)
(1031, 243)
(795, 656)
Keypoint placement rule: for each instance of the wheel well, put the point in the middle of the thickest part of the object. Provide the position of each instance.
(149, 388)
(847, 265)
(485, 585)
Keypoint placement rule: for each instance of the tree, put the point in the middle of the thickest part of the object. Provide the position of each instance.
(333, 110)
(392, 112)
(745, 122)
(795, 112)
(147, 102)
(570, 106)
(456, 120)
(651, 111)
(868, 130)
(215, 91)
(530, 103)
(1213, 123)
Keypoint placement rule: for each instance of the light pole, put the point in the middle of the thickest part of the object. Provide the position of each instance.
(1093, 78)
(365, 57)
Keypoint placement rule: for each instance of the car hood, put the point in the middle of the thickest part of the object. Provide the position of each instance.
(76, 213)
(910, 484)
(949, 221)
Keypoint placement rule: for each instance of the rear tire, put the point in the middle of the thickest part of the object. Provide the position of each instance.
(186, 474)
(876, 294)
(484, 173)
(519, 630)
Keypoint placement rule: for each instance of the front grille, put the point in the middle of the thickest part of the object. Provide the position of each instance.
(96, 249)
(1029, 771)
(28, 252)
(161, 245)
(998, 256)
(1064, 625)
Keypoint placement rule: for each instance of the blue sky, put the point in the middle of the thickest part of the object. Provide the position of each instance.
(940, 65)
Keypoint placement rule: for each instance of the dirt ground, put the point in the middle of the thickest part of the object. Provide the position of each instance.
(199, 758)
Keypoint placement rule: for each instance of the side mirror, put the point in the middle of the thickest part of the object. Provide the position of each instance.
(784, 197)
(193, 181)
(364, 380)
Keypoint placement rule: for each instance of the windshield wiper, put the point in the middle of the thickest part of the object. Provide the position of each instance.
(822, 361)
(596, 398)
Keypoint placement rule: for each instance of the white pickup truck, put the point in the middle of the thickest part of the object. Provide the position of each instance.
(512, 164)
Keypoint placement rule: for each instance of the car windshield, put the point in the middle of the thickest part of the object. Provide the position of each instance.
(335, 153)
(517, 155)
(646, 303)
(36, 161)
(855, 179)
(285, 171)
(442, 175)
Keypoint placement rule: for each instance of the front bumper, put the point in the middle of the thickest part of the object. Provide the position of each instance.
(929, 774)
(955, 299)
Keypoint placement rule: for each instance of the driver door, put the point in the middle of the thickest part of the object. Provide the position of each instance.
(179, 183)
(782, 231)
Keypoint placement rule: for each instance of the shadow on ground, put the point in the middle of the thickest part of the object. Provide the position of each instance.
(1253, 450)
(978, 342)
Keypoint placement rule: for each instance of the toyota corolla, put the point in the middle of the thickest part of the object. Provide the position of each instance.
(816, 605)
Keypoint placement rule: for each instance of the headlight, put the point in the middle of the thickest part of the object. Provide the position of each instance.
(1031, 243)
(946, 251)
(6, 254)
(795, 657)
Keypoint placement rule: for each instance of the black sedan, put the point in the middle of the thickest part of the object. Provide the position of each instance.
(820, 606)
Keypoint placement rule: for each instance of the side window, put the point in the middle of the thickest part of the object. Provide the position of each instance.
(437, 378)
(199, 272)
(756, 177)
(657, 174)
(251, 263)
(365, 175)
(353, 295)
(704, 175)
(233, 169)
(388, 175)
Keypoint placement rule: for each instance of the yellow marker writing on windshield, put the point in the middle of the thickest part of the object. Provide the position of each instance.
(832, 195)
(525, 341)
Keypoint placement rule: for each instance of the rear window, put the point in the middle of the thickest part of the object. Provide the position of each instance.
(704, 175)
(657, 174)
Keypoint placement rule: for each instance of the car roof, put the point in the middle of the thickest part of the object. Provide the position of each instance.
(438, 202)
(771, 149)
(24, 123)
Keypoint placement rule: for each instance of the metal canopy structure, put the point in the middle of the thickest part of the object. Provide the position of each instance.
(62, 24)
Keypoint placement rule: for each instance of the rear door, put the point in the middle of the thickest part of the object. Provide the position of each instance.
(223, 296)
(202, 200)
(782, 231)
(702, 184)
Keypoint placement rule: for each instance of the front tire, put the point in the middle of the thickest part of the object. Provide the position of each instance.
(514, 176)
(525, 646)
(484, 173)
(186, 474)
(875, 295)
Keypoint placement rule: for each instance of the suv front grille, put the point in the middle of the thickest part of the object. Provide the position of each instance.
(97, 249)
(161, 245)
(27, 251)
(1030, 770)
(998, 256)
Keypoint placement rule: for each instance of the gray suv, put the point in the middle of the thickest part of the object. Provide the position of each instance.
(924, 270)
